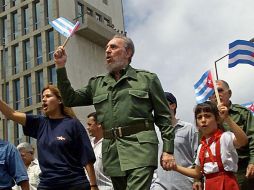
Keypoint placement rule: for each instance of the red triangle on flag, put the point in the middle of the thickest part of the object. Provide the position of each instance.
(209, 81)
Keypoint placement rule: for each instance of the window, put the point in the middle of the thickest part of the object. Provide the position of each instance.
(98, 17)
(13, 3)
(20, 137)
(105, 2)
(49, 12)
(4, 31)
(2, 5)
(10, 131)
(80, 13)
(28, 90)
(27, 59)
(38, 49)
(25, 20)
(106, 21)
(52, 75)
(36, 9)
(50, 44)
(14, 25)
(16, 60)
(39, 85)
(89, 11)
(6, 70)
(16, 93)
(6, 92)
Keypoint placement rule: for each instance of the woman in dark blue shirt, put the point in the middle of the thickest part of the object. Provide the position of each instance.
(64, 149)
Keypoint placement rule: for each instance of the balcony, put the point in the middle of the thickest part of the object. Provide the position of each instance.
(95, 30)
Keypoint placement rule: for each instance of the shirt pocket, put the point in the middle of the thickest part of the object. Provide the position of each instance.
(139, 94)
(100, 103)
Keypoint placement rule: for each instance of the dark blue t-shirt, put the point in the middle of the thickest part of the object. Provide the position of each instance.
(63, 150)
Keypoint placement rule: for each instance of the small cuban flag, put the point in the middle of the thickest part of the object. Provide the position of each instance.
(250, 106)
(241, 52)
(204, 88)
(64, 26)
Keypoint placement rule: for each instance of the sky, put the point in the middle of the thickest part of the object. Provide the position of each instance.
(181, 39)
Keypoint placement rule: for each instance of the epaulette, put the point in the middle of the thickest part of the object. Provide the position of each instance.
(145, 71)
(238, 106)
(98, 76)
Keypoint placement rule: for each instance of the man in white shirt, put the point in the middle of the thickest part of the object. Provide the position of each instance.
(96, 132)
(32, 165)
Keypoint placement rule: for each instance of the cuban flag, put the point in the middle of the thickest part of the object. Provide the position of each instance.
(241, 52)
(250, 106)
(65, 27)
(204, 87)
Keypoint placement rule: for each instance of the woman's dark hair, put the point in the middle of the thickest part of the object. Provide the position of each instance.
(64, 110)
(210, 107)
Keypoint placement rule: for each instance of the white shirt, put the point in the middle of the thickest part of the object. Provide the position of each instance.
(228, 153)
(103, 181)
(33, 172)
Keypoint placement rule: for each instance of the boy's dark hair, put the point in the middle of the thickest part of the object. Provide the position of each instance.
(94, 115)
(210, 107)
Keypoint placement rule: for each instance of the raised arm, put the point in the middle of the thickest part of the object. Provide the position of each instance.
(11, 114)
(241, 138)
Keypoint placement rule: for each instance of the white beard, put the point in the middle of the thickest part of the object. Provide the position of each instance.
(116, 66)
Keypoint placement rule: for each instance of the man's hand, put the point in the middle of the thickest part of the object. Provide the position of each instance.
(167, 161)
(197, 185)
(60, 57)
(250, 171)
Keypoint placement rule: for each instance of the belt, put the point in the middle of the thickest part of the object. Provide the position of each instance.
(128, 130)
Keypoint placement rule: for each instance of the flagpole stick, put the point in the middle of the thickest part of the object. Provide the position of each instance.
(65, 42)
(215, 89)
(215, 63)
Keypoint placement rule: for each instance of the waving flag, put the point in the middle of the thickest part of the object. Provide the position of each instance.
(241, 52)
(250, 106)
(204, 87)
(65, 27)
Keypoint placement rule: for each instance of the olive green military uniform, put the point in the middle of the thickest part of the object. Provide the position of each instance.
(244, 118)
(136, 101)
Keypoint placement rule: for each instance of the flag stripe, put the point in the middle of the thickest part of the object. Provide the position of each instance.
(240, 61)
(241, 52)
(241, 42)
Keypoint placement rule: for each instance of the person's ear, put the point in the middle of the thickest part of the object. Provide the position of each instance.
(230, 93)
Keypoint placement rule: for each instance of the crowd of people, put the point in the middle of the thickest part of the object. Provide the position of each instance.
(136, 143)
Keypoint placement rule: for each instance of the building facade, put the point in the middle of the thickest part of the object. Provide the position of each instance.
(27, 43)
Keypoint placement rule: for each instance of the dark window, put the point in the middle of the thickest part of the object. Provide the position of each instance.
(49, 12)
(28, 90)
(26, 20)
(89, 11)
(80, 13)
(50, 44)
(39, 85)
(52, 75)
(98, 17)
(27, 59)
(16, 90)
(6, 92)
(105, 2)
(2, 5)
(38, 49)
(14, 25)
(16, 67)
(4, 31)
(36, 15)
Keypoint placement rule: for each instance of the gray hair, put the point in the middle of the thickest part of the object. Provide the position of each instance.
(128, 43)
(26, 146)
